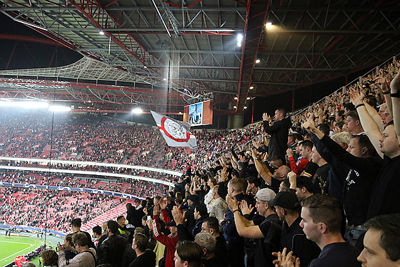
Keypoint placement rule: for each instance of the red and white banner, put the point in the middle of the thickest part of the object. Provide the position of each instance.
(176, 133)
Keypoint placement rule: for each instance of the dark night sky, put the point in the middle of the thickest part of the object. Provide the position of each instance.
(20, 54)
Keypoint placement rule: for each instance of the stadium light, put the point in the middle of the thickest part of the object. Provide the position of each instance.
(137, 110)
(239, 39)
(268, 25)
(58, 108)
(101, 32)
(251, 87)
(258, 60)
(25, 104)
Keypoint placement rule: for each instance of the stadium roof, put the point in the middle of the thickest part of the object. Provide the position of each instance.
(187, 51)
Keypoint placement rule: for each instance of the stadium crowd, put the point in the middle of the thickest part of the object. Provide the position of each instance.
(318, 189)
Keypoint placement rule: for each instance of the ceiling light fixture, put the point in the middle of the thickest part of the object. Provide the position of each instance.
(101, 32)
(239, 39)
(137, 110)
(258, 60)
(268, 25)
(251, 87)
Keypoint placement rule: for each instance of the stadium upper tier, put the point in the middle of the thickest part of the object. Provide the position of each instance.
(81, 137)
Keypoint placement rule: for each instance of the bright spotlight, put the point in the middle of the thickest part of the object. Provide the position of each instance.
(145, 66)
(248, 98)
(251, 87)
(235, 98)
(164, 79)
(239, 39)
(137, 110)
(101, 32)
(59, 108)
(268, 25)
(234, 107)
(245, 107)
(258, 60)
(25, 104)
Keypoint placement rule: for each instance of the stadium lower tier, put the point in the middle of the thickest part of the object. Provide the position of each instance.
(51, 209)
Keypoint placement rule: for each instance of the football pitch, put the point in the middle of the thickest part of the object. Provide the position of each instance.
(13, 246)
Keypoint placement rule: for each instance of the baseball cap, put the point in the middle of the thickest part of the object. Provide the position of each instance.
(265, 194)
(286, 200)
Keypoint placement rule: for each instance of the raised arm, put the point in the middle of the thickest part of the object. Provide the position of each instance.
(244, 227)
(395, 96)
(261, 168)
(374, 115)
(368, 124)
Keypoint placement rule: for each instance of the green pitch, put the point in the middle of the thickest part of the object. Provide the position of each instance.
(13, 246)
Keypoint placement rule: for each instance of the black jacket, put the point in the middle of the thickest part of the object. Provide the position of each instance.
(279, 136)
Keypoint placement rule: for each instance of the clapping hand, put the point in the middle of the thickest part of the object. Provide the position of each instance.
(284, 260)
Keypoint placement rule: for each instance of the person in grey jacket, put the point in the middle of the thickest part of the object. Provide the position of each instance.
(86, 256)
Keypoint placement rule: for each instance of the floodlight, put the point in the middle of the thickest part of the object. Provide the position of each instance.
(258, 60)
(101, 32)
(137, 110)
(25, 104)
(251, 87)
(59, 108)
(268, 25)
(239, 39)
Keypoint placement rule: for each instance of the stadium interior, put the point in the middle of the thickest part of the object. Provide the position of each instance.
(260, 102)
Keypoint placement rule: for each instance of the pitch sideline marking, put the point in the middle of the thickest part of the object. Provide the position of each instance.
(16, 253)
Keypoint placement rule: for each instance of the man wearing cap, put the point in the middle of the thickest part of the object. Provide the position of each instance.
(267, 234)
(292, 236)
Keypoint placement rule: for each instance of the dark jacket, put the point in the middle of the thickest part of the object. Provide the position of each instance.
(112, 251)
(279, 136)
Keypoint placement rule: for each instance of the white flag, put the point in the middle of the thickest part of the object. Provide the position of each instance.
(176, 133)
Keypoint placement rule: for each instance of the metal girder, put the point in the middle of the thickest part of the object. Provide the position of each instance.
(130, 8)
(256, 16)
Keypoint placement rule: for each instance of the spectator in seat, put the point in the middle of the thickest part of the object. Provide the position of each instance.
(97, 233)
(86, 256)
(382, 242)
(211, 225)
(292, 235)
(188, 254)
(353, 123)
(145, 257)
(113, 247)
(321, 222)
(69, 249)
(76, 227)
(207, 243)
(267, 234)
(304, 187)
(278, 129)
(50, 258)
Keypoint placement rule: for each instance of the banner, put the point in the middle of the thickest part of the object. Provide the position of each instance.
(175, 133)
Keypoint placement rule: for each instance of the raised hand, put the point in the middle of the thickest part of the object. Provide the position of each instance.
(178, 216)
(266, 117)
(284, 260)
(232, 202)
(289, 152)
(395, 84)
(309, 125)
(356, 97)
(163, 204)
(245, 208)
